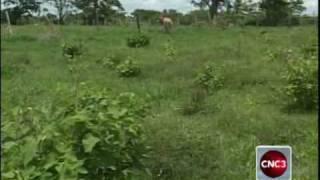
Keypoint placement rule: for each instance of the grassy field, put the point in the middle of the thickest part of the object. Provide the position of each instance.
(218, 142)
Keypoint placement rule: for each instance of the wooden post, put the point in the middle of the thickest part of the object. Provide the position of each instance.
(8, 21)
(138, 23)
(290, 20)
(96, 17)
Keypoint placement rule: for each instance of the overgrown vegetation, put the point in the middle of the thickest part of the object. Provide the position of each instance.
(96, 137)
(102, 138)
(49, 132)
(302, 84)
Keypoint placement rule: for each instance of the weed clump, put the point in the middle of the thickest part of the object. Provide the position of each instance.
(207, 81)
(170, 50)
(209, 78)
(128, 68)
(72, 50)
(138, 41)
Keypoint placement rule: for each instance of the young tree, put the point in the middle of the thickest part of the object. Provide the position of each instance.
(94, 9)
(237, 6)
(63, 7)
(212, 5)
(276, 11)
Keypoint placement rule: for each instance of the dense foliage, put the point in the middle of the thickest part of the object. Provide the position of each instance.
(100, 139)
(128, 68)
(302, 84)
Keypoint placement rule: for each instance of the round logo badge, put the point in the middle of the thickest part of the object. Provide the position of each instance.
(273, 164)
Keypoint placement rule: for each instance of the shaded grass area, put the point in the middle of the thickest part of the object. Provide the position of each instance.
(218, 143)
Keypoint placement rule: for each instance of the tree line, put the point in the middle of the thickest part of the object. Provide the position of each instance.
(103, 12)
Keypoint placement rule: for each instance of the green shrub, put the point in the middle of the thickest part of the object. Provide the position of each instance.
(72, 50)
(207, 81)
(209, 78)
(170, 50)
(128, 68)
(138, 41)
(302, 84)
(103, 139)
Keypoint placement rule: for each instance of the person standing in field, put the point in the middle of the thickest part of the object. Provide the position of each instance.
(167, 23)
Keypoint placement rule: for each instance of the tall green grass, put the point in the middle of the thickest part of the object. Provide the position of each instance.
(216, 144)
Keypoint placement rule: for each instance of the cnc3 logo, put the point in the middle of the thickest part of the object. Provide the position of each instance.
(273, 162)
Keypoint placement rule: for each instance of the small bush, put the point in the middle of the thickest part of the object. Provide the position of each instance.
(72, 50)
(207, 81)
(170, 50)
(301, 89)
(209, 78)
(103, 139)
(138, 41)
(128, 68)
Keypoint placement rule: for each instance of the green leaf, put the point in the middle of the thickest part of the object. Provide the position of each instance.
(117, 113)
(9, 175)
(29, 150)
(9, 145)
(89, 142)
(49, 165)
